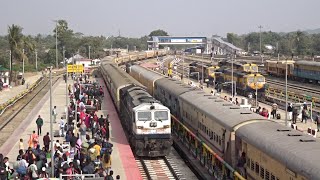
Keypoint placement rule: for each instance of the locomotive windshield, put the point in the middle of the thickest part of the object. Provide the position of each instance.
(259, 79)
(144, 116)
(161, 115)
(254, 68)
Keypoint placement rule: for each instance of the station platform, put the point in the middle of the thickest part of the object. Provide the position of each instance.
(123, 161)
(8, 93)
(11, 147)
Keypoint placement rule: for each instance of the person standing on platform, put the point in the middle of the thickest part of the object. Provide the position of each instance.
(69, 88)
(54, 114)
(294, 115)
(274, 110)
(318, 121)
(110, 176)
(34, 140)
(62, 124)
(107, 162)
(304, 115)
(39, 122)
(289, 109)
(46, 141)
(118, 177)
(82, 131)
(21, 145)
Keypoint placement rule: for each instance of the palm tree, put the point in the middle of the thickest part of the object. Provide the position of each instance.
(29, 46)
(15, 37)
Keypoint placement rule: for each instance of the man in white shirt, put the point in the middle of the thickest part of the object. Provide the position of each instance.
(54, 114)
(62, 124)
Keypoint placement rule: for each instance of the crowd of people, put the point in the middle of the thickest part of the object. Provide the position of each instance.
(85, 148)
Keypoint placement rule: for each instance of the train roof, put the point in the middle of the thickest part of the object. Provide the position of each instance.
(308, 63)
(148, 74)
(225, 113)
(288, 147)
(119, 77)
(140, 96)
(174, 87)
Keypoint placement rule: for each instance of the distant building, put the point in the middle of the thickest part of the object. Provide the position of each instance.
(222, 47)
(4, 75)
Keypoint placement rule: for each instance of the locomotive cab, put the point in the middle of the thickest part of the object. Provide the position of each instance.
(152, 128)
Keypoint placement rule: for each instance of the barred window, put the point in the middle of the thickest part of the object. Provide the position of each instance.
(273, 177)
(257, 168)
(252, 165)
(261, 172)
(267, 175)
(248, 162)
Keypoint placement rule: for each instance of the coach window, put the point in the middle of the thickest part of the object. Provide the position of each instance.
(261, 172)
(257, 168)
(273, 177)
(252, 166)
(267, 175)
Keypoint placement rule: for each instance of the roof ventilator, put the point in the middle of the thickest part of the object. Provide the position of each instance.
(219, 100)
(294, 134)
(212, 97)
(283, 130)
(227, 104)
(245, 113)
(307, 140)
(235, 108)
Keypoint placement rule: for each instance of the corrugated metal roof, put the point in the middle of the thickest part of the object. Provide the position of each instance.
(223, 112)
(309, 63)
(173, 87)
(300, 157)
(148, 74)
(226, 43)
(119, 77)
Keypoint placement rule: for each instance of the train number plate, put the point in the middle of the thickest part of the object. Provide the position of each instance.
(153, 131)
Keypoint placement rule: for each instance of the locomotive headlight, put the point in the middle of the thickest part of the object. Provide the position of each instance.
(140, 127)
(166, 126)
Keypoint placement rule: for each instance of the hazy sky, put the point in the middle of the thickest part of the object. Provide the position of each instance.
(136, 18)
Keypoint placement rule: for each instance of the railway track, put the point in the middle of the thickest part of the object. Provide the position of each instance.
(13, 117)
(158, 168)
(304, 89)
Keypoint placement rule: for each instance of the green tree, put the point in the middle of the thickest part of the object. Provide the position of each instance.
(234, 39)
(302, 43)
(15, 38)
(158, 32)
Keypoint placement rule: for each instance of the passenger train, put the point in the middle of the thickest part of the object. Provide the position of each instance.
(306, 71)
(255, 146)
(146, 120)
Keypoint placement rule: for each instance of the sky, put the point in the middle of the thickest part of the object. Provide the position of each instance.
(177, 17)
